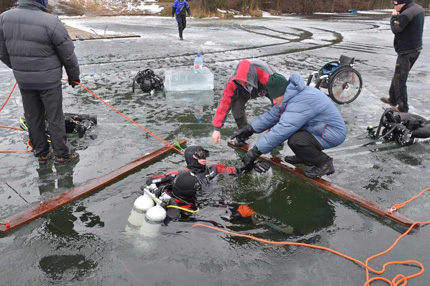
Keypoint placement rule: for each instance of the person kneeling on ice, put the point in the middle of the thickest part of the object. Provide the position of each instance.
(187, 184)
(305, 117)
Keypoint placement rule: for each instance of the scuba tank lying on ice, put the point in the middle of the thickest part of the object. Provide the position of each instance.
(402, 128)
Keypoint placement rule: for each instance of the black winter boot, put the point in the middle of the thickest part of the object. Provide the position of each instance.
(295, 160)
(317, 172)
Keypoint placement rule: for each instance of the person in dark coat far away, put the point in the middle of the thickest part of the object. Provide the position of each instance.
(305, 117)
(180, 8)
(36, 46)
(247, 82)
(407, 24)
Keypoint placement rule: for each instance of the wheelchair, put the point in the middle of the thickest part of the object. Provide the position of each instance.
(341, 80)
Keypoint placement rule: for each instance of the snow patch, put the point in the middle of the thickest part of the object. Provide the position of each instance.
(152, 8)
(209, 43)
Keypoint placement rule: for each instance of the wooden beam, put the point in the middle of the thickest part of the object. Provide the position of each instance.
(339, 191)
(45, 207)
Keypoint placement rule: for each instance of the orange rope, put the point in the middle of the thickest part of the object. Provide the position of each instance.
(7, 99)
(396, 207)
(128, 118)
(398, 280)
(30, 148)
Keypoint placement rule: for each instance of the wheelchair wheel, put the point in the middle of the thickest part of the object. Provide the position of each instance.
(345, 85)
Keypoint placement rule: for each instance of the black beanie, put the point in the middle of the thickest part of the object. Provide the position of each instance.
(185, 186)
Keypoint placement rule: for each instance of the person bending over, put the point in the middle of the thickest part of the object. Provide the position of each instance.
(305, 117)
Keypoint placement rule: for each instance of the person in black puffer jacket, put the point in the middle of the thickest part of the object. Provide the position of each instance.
(36, 46)
(407, 23)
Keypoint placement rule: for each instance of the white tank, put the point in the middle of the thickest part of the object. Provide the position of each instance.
(153, 219)
(137, 215)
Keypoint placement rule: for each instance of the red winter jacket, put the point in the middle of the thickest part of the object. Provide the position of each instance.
(256, 73)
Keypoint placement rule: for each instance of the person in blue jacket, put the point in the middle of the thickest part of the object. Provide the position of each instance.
(180, 8)
(305, 117)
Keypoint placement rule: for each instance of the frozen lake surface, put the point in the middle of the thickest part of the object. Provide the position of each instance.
(84, 244)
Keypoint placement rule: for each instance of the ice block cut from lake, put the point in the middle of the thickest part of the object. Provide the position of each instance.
(185, 79)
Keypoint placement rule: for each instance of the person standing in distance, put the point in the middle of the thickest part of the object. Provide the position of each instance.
(36, 46)
(180, 8)
(407, 23)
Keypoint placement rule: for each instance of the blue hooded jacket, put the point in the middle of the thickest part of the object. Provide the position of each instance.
(303, 108)
(43, 2)
(179, 5)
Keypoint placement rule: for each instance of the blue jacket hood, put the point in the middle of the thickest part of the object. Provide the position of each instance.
(297, 85)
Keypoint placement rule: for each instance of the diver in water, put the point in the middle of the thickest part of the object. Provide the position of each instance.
(180, 8)
(184, 186)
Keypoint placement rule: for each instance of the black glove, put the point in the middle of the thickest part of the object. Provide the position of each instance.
(73, 82)
(261, 167)
(243, 134)
(250, 157)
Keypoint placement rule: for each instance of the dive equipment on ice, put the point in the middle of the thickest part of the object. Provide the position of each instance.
(74, 122)
(148, 81)
(402, 128)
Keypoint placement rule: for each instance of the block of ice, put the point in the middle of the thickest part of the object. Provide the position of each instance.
(190, 98)
(184, 79)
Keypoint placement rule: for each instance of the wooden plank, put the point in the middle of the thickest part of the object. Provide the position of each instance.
(339, 191)
(45, 207)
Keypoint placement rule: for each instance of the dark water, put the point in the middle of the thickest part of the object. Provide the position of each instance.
(84, 243)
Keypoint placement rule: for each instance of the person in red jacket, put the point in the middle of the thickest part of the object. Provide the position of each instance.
(248, 82)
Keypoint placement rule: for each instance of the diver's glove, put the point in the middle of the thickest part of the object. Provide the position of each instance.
(243, 134)
(261, 167)
(250, 157)
(242, 213)
(73, 82)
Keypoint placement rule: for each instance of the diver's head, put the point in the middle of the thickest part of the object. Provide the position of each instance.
(195, 157)
(185, 187)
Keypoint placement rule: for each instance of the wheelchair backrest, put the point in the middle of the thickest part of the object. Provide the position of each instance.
(330, 67)
(344, 60)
